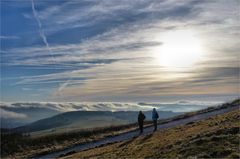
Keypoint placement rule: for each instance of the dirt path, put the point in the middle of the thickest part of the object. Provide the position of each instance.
(132, 134)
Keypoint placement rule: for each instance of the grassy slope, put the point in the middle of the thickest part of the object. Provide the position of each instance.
(216, 137)
(15, 146)
(81, 125)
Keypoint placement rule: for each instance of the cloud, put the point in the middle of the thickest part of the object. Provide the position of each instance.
(41, 31)
(11, 115)
(78, 106)
(103, 50)
(178, 106)
(88, 13)
(9, 37)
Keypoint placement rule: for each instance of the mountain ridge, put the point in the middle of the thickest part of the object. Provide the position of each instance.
(82, 118)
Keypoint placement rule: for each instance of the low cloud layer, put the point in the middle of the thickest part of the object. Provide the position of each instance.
(11, 115)
(179, 106)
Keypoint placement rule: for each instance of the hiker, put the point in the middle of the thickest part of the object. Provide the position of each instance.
(155, 118)
(141, 118)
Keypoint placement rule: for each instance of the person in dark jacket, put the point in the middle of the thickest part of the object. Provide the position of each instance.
(155, 118)
(141, 118)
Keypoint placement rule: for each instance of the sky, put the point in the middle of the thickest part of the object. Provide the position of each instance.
(119, 51)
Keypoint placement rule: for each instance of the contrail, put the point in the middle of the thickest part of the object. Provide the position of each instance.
(41, 32)
(44, 38)
(62, 86)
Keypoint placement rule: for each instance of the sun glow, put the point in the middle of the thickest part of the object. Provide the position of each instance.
(180, 50)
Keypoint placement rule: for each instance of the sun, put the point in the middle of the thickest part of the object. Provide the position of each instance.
(181, 49)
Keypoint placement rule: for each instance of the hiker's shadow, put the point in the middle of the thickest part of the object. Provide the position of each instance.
(145, 138)
(127, 142)
(133, 139)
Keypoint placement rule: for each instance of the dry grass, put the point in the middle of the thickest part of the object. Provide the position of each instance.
(16, 146)
(216, 137)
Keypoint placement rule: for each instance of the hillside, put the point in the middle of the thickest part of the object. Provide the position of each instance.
(18, 114)
(216, 137)
(87, 119)
(18, 145)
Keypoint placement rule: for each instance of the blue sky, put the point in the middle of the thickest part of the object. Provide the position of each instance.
(106, 50)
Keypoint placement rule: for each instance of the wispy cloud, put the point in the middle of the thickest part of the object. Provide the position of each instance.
(9, 37)
(103, 50)
(11, 115)
(41, 31)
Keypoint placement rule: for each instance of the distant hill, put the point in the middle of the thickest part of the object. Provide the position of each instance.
(89, 119)
(17, 114)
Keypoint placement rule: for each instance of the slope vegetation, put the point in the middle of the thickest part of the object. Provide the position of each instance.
(216, 137)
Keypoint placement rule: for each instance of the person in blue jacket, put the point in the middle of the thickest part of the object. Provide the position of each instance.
(155, 118)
